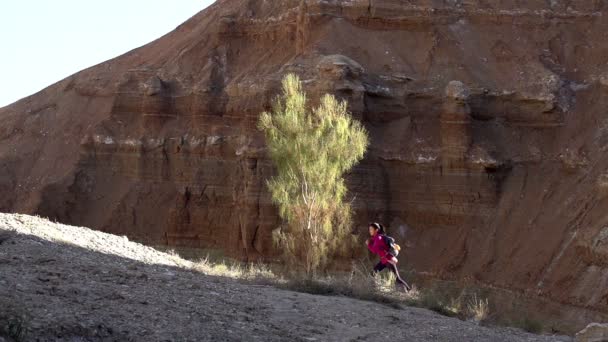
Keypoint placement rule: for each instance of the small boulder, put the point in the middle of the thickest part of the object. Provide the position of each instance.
(339, 67)
(594, 332)
(153, 86)
(457, 91)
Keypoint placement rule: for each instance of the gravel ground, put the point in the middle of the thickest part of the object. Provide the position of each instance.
(63, 283)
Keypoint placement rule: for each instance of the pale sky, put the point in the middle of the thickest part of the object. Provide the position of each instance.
(44, 41)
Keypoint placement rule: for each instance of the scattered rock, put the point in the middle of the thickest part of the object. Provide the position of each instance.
(339, 67)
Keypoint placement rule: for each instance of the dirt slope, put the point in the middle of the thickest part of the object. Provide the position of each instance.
(487, 121)
(63, 283)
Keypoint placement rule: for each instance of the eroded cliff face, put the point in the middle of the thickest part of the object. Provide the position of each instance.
(487, 119)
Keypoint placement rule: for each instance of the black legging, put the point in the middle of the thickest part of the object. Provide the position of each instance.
(380, 266)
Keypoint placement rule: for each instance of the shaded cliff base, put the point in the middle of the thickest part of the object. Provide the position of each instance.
(65, 283)
(524, 310)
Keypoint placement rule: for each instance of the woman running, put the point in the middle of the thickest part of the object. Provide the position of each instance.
(378, 244)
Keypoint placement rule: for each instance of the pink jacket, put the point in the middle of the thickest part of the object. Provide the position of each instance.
(377, 246)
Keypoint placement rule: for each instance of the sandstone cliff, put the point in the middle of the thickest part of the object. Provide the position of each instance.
(487, 122)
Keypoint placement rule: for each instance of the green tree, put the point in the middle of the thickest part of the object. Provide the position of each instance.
(311, 151)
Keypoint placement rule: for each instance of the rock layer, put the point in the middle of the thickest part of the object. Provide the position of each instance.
(486, 118)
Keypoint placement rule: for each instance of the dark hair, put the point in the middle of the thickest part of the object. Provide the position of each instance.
(378, 226)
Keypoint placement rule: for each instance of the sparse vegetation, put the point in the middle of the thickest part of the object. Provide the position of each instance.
(464, 305)
(358, 283)
(432, 300)
(311, 150)
(479, 308)
(258, 273)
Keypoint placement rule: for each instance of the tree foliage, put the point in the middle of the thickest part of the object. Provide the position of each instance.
(311, 150)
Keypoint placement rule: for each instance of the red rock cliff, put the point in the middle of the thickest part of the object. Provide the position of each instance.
(487, 119)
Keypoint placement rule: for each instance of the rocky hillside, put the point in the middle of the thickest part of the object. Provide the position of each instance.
(63, 283)
(487, 121)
